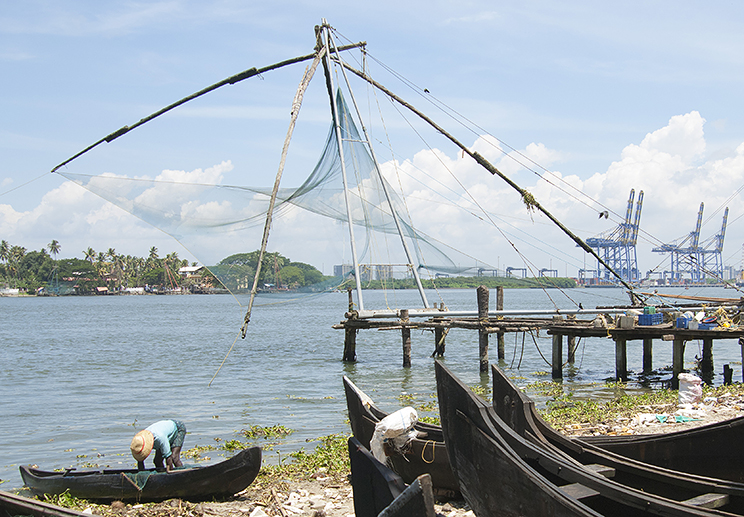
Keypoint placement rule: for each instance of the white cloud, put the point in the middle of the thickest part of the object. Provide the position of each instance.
(670, 165)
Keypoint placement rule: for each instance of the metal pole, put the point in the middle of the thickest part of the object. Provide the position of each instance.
(382, 183)
(337, 125)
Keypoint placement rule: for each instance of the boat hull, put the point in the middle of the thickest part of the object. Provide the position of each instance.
(222, 479)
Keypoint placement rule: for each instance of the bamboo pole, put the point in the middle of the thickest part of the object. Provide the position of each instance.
(245, 74)
(296, 105)
(528, 198)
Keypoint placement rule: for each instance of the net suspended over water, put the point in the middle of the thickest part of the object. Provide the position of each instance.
(200, 212)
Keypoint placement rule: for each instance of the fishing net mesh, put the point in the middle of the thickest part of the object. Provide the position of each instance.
(199, 211)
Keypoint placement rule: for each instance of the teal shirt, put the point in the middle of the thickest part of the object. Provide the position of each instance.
(164, 432)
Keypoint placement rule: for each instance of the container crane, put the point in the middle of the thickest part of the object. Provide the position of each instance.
(618, 248)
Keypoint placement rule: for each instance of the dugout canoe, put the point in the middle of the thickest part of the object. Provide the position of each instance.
(710, 454)
(380, 492)
(12, 505)
(426, 454)
(220, 480)
(714, 450)
(502, 473)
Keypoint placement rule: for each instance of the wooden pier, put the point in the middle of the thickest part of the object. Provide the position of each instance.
(558, 326)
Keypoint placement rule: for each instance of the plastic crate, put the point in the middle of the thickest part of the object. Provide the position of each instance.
(707, 326)
(650, 319)
(682, 323)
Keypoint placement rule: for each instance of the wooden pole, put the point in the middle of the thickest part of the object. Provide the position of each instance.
(482, 294)
(571, 349)
(728, 373)
(648, 355)
(621, 359)
(557, 360)
(296, 104)
(706, 365)
(678, 361)
(439, 337)
(406, 335)
(350, 334)
(350, 345)
(741, 344)
(500, 307)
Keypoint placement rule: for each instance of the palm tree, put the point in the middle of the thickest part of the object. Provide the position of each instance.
(90, 255)
(54, 248)
(15, 255)
(4, 251)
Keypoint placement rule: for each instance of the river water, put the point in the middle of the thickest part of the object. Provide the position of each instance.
(80, 375)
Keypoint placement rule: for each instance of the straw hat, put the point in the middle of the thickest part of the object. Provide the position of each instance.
(142, 445)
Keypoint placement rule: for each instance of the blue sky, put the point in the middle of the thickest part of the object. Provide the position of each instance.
(643, 95)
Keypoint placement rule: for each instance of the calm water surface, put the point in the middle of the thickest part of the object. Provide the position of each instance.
(80, 375)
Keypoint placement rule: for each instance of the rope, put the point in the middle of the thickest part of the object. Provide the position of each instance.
(225, 359)
(433, 451)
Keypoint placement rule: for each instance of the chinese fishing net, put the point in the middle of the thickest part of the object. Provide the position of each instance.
(201, 212)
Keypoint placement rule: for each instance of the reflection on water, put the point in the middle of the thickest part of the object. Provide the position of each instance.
(82, 374)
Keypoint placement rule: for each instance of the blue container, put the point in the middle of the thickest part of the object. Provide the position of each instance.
(650, 319)
(682, 323)
(707, 326)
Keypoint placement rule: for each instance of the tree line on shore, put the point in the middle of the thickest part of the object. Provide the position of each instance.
(40, 271)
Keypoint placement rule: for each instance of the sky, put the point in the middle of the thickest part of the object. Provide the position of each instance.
(577, 102)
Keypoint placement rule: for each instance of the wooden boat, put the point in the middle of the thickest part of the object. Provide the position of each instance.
(502, 473)
(198, 483)
(12, 505)
(714, 450)
(378, 491)
(702, 462)
(427, 454)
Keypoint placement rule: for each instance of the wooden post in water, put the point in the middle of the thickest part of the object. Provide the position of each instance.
(439, 336)
(406, 334)
(500, 307)
(706, 365)
(350, 335)
(482, 294)
(678, 361)
(571, 338)
(350, 344)
(648, 346)
(557, 359)
(728, 373)
(621, 359)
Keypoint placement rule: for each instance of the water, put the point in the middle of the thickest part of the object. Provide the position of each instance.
(80, 375)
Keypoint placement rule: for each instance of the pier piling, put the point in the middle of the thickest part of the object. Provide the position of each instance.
(406, 335)
(648, 354)
(621, 359)
(500, 335)
(482, 294)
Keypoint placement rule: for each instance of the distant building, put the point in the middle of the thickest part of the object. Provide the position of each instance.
(384, 272)
(191, 272)
(344, 270)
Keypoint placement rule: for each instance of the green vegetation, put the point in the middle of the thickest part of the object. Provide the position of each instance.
(238, 271)
(331, 457)
(39, 272)
(564, 411)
